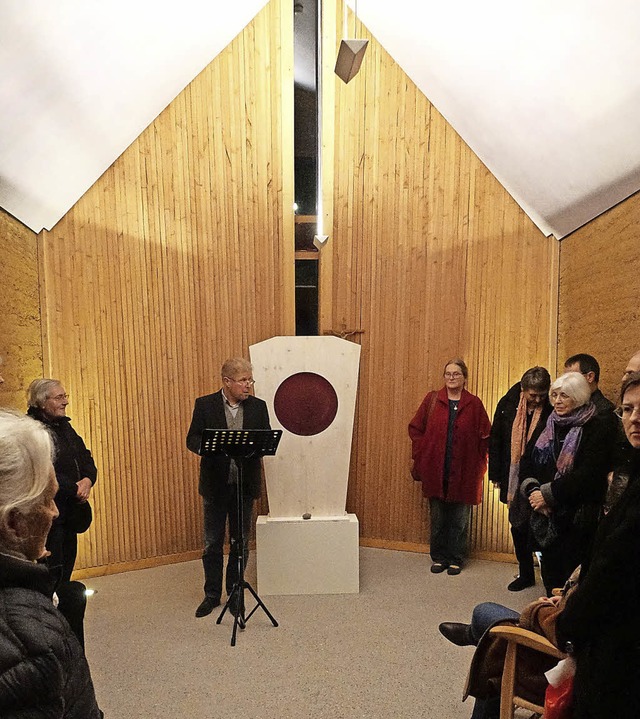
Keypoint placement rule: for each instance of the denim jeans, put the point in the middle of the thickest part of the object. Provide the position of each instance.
(484, 616)
(449, 531)
(216, 513)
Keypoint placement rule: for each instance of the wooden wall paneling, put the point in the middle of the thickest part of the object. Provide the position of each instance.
(598, 292)
(104, 318)
(20, 327)
(432, 253)
(180, 256)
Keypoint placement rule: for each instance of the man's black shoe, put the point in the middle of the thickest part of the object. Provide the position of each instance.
(459, 634)
(520, 583)
(207, 605)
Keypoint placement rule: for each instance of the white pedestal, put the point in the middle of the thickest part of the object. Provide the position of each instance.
(308, 556)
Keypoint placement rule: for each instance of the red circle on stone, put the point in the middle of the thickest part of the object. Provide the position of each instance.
(305, 403)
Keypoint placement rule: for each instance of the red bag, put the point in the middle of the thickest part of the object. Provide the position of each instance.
(558, 700)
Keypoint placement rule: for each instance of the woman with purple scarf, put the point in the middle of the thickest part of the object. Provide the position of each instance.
(564, 477)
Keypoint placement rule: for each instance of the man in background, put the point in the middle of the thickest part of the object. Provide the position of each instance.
(232, 407)
(633, 365)
(589, 368)
(524, 407)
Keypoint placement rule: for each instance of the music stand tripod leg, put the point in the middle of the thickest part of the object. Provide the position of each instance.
(260, 604)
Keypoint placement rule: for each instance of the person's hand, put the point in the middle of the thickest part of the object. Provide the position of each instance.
(552, 601)
(84, 489)
(536, 500)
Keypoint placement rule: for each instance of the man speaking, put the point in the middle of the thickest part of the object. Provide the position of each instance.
(232, 407)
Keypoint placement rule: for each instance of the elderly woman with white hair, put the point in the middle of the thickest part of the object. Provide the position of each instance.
(43, 670)
(564, 476)
(75, 471)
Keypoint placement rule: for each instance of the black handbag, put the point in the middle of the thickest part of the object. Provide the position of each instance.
(544, 529)
(79, 517)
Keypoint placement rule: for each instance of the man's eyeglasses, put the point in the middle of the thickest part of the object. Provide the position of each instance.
(249, 382)
(60, 397)
(627, 411)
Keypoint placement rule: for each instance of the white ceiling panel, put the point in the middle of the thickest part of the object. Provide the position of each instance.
(545, 92)
(81, 79)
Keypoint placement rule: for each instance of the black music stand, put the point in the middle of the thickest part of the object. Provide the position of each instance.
(240, 445)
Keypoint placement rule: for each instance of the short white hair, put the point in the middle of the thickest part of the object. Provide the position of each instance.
(26, 453)
(235, 366)
(574, 385)
(39, 389)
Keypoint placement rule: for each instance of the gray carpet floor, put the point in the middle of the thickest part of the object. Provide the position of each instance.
(362, 656)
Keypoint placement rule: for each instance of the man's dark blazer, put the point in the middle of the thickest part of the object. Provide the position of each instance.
(208, 413)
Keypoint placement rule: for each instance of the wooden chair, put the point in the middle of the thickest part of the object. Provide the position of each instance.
(516, 636)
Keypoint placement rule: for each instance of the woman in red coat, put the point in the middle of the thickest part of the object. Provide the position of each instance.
(449, 436)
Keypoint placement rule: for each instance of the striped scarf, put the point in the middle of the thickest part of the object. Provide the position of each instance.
(519, 439)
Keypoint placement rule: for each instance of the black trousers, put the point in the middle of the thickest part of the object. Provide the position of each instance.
(216, 514)
(72, 603)
(63, 545)
(524, 555)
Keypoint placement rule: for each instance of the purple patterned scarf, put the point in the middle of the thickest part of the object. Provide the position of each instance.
(543, 451)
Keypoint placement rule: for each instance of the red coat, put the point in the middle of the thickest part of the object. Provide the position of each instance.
(469, 451)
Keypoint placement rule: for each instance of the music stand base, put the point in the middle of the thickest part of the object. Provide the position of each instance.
(240, 618)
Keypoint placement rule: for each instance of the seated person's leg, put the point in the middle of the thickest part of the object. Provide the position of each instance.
(486, 708)
(485, 615)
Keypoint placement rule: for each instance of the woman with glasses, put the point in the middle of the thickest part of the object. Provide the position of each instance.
(449, 436)
(602, 618)
(75, 471)
(564, 477)
(43, 670)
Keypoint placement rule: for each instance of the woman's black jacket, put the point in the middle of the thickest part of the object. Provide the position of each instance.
(43, 671)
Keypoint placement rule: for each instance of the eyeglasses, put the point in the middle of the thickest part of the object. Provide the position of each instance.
(452, 375)
(59, 397)
(249, 382)
(627, 411)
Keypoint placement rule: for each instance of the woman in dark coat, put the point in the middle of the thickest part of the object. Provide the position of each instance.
(602, 618)
(564, 472)
(518, 415)
(43, 670)
(449, 435)
(75, 471)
